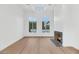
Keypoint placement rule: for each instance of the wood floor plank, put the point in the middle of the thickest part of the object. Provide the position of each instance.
(37, 45)
(32, 46)
(16, 47)
(70, 50)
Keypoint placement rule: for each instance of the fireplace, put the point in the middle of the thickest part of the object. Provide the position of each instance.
(58, 37)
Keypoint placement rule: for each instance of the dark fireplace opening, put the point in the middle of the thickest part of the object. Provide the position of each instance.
(58, 38)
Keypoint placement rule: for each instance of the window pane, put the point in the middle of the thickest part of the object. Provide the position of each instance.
(43, 27)
(32, 24)
(45, 24)
(32, 27)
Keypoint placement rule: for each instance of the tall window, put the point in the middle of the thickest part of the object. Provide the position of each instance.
(45, 24)
(32, 24)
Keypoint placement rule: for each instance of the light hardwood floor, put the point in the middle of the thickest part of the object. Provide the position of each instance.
(37, 45)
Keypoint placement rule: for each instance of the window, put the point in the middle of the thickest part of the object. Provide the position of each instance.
(32, 24)
(45, 24)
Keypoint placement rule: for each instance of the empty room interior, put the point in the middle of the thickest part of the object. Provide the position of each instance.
(39, 28)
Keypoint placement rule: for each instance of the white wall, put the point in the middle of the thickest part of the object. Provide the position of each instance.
(11, 24)
(58, 18)
(71, 26)
(30, 11)
(66, 20)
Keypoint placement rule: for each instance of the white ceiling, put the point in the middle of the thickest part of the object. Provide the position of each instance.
(38, 7)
